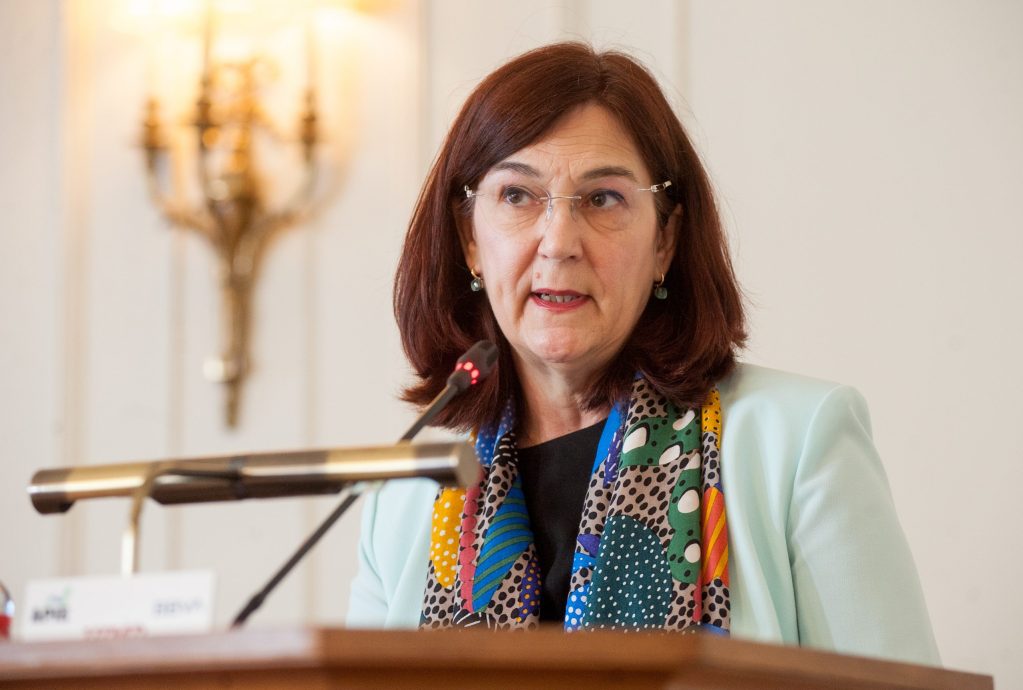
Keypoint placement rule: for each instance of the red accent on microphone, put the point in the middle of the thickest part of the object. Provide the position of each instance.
(477, 363)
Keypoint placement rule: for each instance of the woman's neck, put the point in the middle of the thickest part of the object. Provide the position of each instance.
(553, 405)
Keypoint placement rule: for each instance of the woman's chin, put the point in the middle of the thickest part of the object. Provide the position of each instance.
(561, 353)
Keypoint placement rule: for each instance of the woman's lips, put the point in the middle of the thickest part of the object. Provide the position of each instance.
(558, 300)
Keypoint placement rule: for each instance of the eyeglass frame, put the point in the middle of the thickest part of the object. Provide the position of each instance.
(549, 198)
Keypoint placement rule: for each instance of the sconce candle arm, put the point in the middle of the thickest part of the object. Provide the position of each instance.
(232, 213)
(298, 208)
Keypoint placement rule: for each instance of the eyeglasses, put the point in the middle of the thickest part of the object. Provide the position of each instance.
(514, 206)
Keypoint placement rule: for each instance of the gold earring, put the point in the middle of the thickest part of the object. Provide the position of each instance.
(476, 285)
(660, 292)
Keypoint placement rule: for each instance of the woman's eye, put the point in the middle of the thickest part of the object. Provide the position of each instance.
(604, 198)
(516, 196)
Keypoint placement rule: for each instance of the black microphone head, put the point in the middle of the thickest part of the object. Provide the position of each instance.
(474, 366)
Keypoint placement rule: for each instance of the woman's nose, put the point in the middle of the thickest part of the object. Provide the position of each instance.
(561, 236)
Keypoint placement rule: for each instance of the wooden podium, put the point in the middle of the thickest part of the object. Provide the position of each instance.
(547, 658)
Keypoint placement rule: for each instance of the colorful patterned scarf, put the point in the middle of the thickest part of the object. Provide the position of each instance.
(652, 550)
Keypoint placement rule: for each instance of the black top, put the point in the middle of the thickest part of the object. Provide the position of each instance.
(555, 476)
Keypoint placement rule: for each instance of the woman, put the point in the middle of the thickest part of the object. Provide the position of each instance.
(569, 220)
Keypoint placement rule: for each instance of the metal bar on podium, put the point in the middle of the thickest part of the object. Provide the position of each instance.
(238, 477)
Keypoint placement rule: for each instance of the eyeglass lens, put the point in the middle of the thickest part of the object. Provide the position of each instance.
(514, 205)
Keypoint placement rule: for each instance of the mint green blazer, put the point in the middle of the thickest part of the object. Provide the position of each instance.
(817, 555)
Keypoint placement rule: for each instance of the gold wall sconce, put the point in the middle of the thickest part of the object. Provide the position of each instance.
(232, 211)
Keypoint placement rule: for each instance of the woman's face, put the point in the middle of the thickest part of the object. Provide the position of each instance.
(568, 284)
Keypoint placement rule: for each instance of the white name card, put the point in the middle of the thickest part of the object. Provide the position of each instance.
(117, 606)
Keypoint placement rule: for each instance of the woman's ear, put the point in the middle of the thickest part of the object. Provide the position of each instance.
(667, 239)
(466, 237)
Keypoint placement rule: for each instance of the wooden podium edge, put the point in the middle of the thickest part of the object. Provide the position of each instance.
(468, 650)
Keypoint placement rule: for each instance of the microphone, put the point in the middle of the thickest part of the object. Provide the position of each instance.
(471, 368)
(475, 365)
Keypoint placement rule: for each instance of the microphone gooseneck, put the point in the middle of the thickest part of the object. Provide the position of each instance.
(475, 365)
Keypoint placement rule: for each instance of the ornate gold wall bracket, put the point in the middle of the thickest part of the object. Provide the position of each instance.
(232, 214)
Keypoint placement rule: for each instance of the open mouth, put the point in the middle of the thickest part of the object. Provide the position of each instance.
(557, 298)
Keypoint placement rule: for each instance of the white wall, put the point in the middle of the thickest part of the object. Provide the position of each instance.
(867, 156)
(31, 350)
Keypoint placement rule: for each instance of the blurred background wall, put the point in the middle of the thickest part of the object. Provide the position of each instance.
(868, 160)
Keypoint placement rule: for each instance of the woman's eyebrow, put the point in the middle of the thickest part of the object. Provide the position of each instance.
(604, 171)
(594, 174)
(515, 166)
(609, 171)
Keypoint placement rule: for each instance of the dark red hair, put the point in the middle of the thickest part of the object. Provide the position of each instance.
(683, 345)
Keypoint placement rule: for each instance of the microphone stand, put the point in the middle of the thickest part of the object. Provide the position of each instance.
(256, 601)
(484, 354)
(352, 493)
